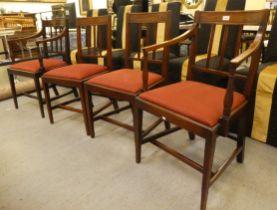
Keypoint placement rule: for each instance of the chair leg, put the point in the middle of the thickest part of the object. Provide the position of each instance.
(137, 117)
(89, 107)
(84, 109)
(207, 169)
(241, 138)
(75, 92)
(40, 100)
(191, 136)
(55, 90)
(167, 125)
(13, 89)
(48, 100)
(115, 104)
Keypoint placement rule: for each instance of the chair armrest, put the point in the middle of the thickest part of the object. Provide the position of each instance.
(253, 50)
(164, 44)
(62, 34)
(171, 42)
(38, 34)
(255, 45)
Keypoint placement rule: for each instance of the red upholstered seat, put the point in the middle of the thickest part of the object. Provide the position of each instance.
(128, 80)
(76, 71)
(200, 102)
(33, 65)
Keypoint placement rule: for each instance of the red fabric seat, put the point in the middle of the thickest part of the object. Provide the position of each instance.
(76, 71)
(200, 102)
(33, 65)
(127, 80)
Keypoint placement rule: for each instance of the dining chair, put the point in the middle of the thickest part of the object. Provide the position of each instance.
(175, 8)
(74, 76)
(51, 51)
(119, 38)
(126, 83)
(101, 32)
(179, 65)
(203, 109)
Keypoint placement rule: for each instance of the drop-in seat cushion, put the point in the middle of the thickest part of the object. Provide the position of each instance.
(198, 101)
(33, 66)
(75, 72)
(127, 80)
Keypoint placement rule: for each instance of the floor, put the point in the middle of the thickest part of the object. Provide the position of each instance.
(58, 167)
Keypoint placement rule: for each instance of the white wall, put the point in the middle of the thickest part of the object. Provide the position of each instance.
(76, 6)
(39, 7)
(255, 4)
(250, 5)
(96, 4)
(42, 7)
(27, 7)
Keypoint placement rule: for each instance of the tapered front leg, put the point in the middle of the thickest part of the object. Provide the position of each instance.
(207, 169)
(84, 108)
(55, 89)
(241, 138)
(115, 104)
(75, 92)
(39, 95)
(13, 89)
(167, 125)
(191, 136)
(47, 100)
(89, 107)
(137, 116)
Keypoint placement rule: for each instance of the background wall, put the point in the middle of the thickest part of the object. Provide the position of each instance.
(96, 4)
(26, 7)
(250, 5)
(255, 4)
(41, 7)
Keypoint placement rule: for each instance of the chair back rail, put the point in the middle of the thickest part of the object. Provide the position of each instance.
(52, 40)
(142, 24)
(226, 20)
(97, 46)
(175, 8)
(55, 40)
(120, 41)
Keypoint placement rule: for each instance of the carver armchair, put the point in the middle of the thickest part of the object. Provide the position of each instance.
(51, 50)
(203, 109)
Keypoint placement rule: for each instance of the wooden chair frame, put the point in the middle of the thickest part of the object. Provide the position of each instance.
(142, 19)
(222, 127)
(94, 52)
(60, 32)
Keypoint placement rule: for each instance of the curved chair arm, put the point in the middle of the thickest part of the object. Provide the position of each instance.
(61, 35)
(44, 42)
(254, 46)
(21, 41)
(254, 52)
(38, 34)
(173, 41)
(188, 34)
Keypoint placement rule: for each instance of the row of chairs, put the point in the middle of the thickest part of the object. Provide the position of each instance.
(202, 109)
